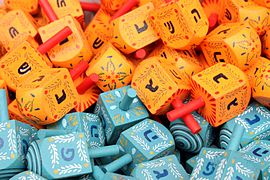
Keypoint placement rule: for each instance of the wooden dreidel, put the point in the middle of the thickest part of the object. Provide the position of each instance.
(119, 109)
(184, 25)
(129, 4)
(16, 25)
(157, 84)
(167, 167)
(266, 44)
(73, 49)
(99, 31)
(112, 6)
(99, 174)
(30, 6)
(60, 156)
(233, 43)
(132, 31)
(146, 141)
(191, 163)
(28, 58)
(255, 119)
(259, 153)
(113, 69)
(4, 117)
(264, 3)
(27, 175)
(212, 10)
(89, 124)
(3, 85)
(219, 93)
(223, 164)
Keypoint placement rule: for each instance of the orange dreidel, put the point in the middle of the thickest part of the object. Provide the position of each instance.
(30, 6)
(132, 31)
(180, 24)
(16, 26)
(266, 44)
(156, 3)
(111, 5)
(113, 69)
(259, 78)
(125, 8)
(265, 3)
(220, 93)
(245, 11)
(92, 7)
(212, 10)
(99, 31)
(157, 84)
(233, 43)
(73, 49)
(28, 58)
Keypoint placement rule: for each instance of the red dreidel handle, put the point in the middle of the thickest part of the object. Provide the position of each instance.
(140, 54)
(46, 7)
(186, 109)
(213, 21)
(188, 119)
(87, 83)
(78, 70)
(92, 7)
(56, 39)
(125, 8)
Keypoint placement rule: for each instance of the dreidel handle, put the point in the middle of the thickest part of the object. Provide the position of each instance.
(186, 109)
(47, 8)
(213, 21)
(104, 151)
(125, 8)
(236, 137)
(188, 119)
(92, 7)
(78, 70)
(56, 39)
(87, 83)
(3, 106)
(128, 99)
(118, 163)
(98, 174)
(140, 54)
(44, 133)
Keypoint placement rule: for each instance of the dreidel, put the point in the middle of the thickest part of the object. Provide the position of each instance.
(27, 6)
(184, 25)
(112, 6)
(119, 109)
(99, 174)
(212, 10)
(233, 43)
(264, 3)
(219, 93)
(259, 80)
(158, 83)
(125, 8)
(27, 175)
(3, 85)
(73, 49)
(156, 3)
(255, 120)
(266, 44)
(15, 138)
(245, 12)
(133, 31)
(28, 58)
(16, 25)
(92, 7)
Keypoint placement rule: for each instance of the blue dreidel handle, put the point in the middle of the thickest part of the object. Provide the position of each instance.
(98, 174)
(3, 106)
(128, 99)
(236, 137)
(44, 133)
(104, 151)
(118, 163)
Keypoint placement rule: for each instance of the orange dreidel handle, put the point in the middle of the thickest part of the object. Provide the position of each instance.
(125, 8)
(186, 109)
(56, 39)
(78, 70)
(188, 119)
(87, 83)
(46, 7)
(92, 7)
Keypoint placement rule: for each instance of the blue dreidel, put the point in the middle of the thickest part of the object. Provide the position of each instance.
(119, 109)
(146, 141)
(255, 119)
(186, 141)
(89, 124)
(98, 174)
(15, 137)
(191, 163)
(27, 175)
(167, 167)
(259, 153)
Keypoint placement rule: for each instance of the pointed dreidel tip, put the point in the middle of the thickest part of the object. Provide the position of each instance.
(87, 83)
(128, 99)
(3, 106)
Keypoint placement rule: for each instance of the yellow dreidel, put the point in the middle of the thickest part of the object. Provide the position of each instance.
(158, 83)
(113, 69)
(28, 58)
(30, 6)
(99, 31)
(16, 26)
(233, 43)
(245, 11)
(40, 20)
(180, 24)
(132, 31)
(74, 49)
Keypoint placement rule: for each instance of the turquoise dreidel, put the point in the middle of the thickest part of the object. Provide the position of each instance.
(191, 163)
(119, 109)
(255, 119)
(88, 123)
(44, 133)
(27, 175)
(98, 174)
(146, 141)
(259, 153)
(167, 167)
(15, 138)
(63, 156)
